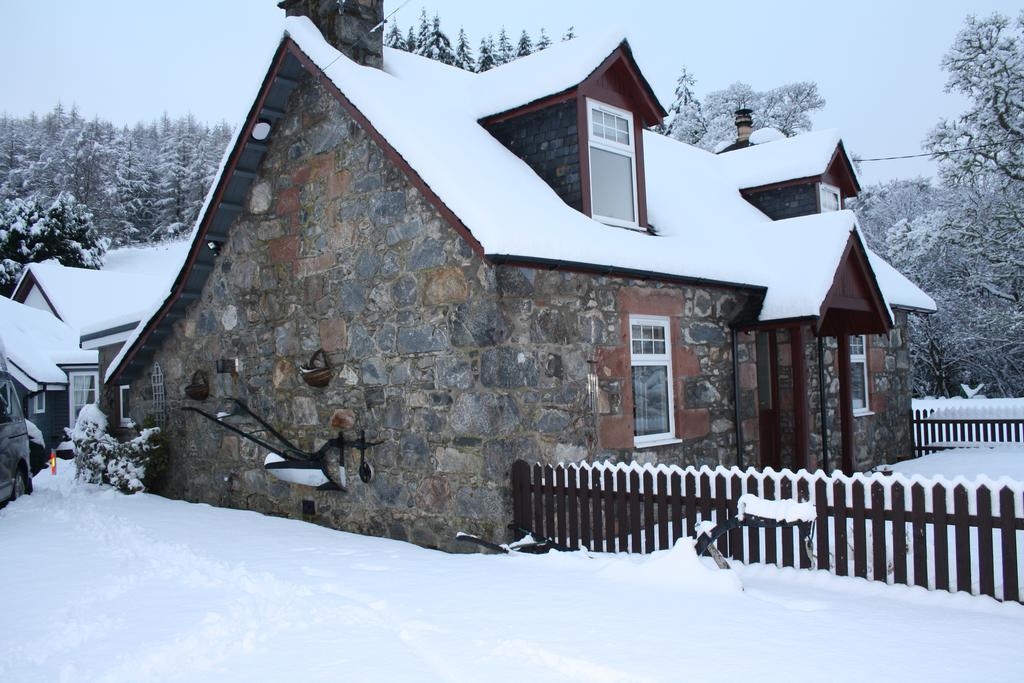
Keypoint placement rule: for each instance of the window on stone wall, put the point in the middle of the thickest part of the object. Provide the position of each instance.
(830, 199)
(651, 360)
(859, 372)
(612, 165)
(124, 405)
(159, 397)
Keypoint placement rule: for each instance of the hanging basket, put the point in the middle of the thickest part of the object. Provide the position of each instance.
(199, 388)
(317, 373)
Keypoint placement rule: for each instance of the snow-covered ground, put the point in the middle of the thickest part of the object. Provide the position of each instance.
(971, 463)
(102, 586)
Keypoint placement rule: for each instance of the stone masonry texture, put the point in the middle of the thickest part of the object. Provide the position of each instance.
(457, 366)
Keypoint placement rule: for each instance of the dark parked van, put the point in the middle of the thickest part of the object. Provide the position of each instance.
(14, 451)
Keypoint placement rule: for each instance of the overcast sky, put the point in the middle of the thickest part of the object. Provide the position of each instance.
(877, 63)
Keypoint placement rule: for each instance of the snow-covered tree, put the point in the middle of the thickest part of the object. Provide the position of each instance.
(504, 53)
(32, 231)
(438, 47)
(542, 41)
(485, 55)
(569, 34)
(685, 120)
(393, 38)
(525, 46)
(410, 41)
(423, 30)
(464, 53)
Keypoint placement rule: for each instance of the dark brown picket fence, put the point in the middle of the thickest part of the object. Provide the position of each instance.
(933, 434)
(936, 534)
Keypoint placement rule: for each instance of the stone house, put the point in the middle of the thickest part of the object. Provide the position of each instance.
(511, 265)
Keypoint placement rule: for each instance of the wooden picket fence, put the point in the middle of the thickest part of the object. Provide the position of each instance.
(933, 434)
(936, 534)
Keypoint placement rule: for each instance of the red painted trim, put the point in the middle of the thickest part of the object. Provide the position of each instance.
(801, 404)
(785, 183)
(653, 113)
(855, 256)
(583, 143)
(536, 105)
(25, 286)
(200, 242)
(781, 323)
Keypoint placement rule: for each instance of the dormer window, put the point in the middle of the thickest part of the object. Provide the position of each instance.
(612, 165)
(829, 197)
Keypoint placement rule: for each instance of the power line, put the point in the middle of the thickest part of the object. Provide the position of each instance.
(941, 152)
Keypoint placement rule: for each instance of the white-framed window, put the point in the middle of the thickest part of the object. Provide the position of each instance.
(613, 196)
(37, 404)
(829, 197)
(650, 346)
(83, 389)
(859, 373)
(124, 405)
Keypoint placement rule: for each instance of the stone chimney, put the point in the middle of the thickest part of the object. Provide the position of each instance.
(347, 25)
(744, 125)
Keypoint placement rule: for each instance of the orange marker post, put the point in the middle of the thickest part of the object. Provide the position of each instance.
(53, 462)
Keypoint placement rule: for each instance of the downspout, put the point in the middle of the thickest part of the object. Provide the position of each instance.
(736, 399)
(821, 403)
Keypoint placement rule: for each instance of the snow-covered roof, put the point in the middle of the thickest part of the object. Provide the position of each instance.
(800, 156)
(706, 230)
(36, 343)
(124, 290)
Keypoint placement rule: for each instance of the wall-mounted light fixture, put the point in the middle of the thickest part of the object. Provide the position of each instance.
(214, 247)
(261, 131)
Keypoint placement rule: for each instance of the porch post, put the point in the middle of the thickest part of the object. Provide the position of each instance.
(845, 403)
(801, 410)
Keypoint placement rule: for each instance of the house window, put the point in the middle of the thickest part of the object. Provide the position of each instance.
(37, 404)
(612, 165)
(859, 372)
(829, 198)
(124, 405)
(159, 397)
(83, 390)
(651, 356)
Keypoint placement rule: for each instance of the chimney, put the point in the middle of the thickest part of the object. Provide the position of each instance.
(744, 125)
(348, 25)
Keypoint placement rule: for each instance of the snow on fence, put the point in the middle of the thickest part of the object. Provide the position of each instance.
(938, 431)
(935, 533)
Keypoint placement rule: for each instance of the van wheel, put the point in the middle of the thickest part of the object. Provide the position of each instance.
(20, 484)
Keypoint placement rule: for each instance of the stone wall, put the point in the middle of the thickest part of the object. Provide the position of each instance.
(548, 141)
(458, 367)
(786, 202)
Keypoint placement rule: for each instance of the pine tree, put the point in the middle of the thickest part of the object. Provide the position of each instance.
(423, 34)
(685, 119)
(525, 45)
(32, 231)
(504, 54)
(464, 53)
(543, 41)
(410, 41)
(569, 34)
(394, 38)
(486, 59)
(438, 47)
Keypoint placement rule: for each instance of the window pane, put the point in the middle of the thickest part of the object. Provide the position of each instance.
(650, 399)
(857, 386)
(83, 391)
(611, 177)
(857, 345)
(829, 200)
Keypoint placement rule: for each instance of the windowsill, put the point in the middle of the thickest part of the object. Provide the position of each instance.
(863, 413)
(660, 442)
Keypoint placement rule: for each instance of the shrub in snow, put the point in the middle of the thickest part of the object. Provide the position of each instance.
(102, 459)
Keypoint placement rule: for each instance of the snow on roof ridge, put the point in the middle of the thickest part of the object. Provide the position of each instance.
(36, 342)
(800, 156)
